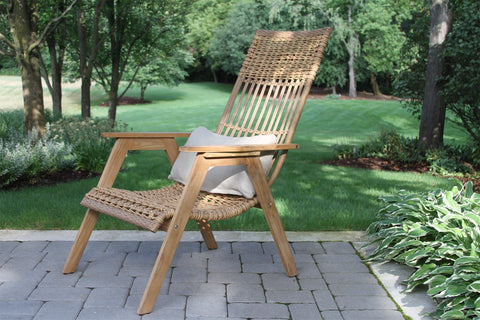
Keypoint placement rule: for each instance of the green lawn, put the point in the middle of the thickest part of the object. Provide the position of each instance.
(309, 195)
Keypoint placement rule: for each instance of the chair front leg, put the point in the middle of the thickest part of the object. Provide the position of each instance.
(174, 234)
(265, 198)
(84, 233)
(110, 172)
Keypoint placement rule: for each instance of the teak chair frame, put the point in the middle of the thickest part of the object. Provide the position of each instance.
(267, 98)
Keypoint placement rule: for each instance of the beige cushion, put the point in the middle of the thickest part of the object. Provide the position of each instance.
(225, 179)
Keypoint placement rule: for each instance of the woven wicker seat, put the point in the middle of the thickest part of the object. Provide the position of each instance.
(153, 209)
(267, 99)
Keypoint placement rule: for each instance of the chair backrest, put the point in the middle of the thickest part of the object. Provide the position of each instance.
(273, 85)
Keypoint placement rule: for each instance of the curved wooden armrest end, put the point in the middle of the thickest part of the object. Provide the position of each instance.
(145, 135)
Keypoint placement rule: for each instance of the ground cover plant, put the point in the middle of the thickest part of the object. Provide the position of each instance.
(438, 234)
(310, 194)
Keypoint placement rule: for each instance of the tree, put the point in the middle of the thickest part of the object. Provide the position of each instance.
(166, 67)
(433, 109)
(134, 29)
(461, 77)
(459, 81)
(231, 42)
(339, 14)
(409, 83)
(24, 41)
(379, 26)
(88, 18)
(22, 19)
(305, 15)
(204, 18)
(56, 44)
(342, 15)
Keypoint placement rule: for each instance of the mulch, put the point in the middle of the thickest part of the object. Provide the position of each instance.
(52, 178)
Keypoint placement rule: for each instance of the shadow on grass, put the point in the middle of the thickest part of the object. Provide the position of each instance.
(341, 198)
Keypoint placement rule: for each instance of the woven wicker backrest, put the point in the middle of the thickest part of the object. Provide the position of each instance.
(273, 83)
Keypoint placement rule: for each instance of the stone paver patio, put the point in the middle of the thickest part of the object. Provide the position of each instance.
(240, 280)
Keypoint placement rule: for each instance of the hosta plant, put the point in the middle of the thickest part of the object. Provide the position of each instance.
(438, 234)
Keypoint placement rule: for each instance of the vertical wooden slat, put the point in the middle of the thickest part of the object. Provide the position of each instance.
(277, 115)
(271, 107)
(252, 117)
(240, 107)
(247, 112)
(290, 109)
(229, 107)
(268, 100)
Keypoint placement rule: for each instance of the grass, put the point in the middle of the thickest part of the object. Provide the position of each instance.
(309, 195)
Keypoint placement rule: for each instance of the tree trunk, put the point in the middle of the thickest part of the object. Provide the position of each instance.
(83, 67)
(142, 93)
(115, 55)
(375, 87)
(56, 61)
(23, 27)
(433, 109)
(87, 53)
(34, 113)
(352, 44)
(214, 74)
(112, 105)
(85, 97)
(352, 88)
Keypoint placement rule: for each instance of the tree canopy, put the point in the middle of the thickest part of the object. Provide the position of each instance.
(377, 45)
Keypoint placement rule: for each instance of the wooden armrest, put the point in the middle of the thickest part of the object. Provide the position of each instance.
(145, 135)
(240, 149)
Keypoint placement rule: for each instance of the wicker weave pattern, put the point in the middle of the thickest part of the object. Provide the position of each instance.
(150, 209)
(284, 55)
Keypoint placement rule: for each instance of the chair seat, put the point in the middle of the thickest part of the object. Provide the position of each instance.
(153, 209)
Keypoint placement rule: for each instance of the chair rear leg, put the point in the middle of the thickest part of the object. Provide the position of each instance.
(207, 234)
(81, 241)
(267, 203)
(278, 233)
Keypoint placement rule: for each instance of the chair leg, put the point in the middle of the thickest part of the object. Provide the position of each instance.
(267, 203)
(81, 241)
(207, 234)
(163, 262)
(174, 234)
(278, 233)
(160, 269)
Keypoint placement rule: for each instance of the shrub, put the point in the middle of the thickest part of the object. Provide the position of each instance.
(11, 125)
(389, 145)
(30, 157)
(344, 151)
(69, 143)
(446, 162)
(90, 149)
(438, 234)
(13, 163)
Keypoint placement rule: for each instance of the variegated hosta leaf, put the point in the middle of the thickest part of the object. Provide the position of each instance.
(437, 233)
